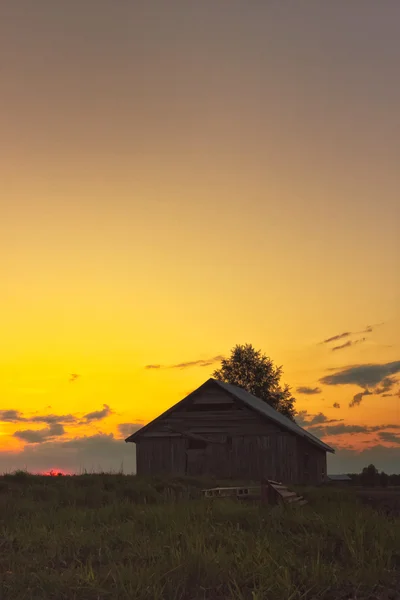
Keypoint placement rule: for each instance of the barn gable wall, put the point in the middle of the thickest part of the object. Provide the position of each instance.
(240, 444)
(213, 412)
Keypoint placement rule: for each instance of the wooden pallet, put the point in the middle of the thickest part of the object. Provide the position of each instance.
(271, 492)
(239, 492)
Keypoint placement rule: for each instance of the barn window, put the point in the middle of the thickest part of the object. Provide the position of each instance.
(196, 444)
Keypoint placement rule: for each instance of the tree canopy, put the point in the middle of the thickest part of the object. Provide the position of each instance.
(255, 372)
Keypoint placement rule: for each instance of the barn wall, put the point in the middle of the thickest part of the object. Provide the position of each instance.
(161, 456)
(270, 456)
(241, 444)
(311, 463)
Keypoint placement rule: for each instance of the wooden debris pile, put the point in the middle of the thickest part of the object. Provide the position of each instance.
(269, 492)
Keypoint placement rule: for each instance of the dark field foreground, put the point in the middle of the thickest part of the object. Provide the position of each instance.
(91, 537)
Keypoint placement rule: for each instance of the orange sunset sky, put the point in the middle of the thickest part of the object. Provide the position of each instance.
(178, 177)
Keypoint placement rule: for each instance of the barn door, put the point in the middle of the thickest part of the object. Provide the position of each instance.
(195, 457)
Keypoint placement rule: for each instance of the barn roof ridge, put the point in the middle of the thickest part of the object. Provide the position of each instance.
(261, 407)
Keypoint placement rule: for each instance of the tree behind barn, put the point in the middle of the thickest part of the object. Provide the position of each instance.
(253, 371)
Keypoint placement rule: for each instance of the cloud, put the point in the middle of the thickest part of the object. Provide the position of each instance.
(305, 419)
(308, 390)
(348, 344)
(357, 398)
(202, 362)
(388, 436)
(385, 385)
(335, 338)
(362, 375)
(96, 415)
(11, 416)
(15, 416)
(375, 376)
(73, 377)
(32, 436)
(336, 405)
(126, 429)
(340, 428)
(53, 419)
(346, 334)
(93, 453)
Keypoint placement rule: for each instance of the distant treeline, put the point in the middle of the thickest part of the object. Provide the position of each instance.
(371, 477)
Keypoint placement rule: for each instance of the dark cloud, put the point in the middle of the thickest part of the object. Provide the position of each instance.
(39, 436)
(15, 416)
(305, 419)
(385, 385)
(388, 436)
(198, 363)
(308, 390)
(97, 415)
(340, 428)
(95, 453)
(203, 362)
(126, 429)
(337, 337)
(348, 344)
(357, 398)
(362, 375)
(53, 419)
(11, 416)
(336, 405)
(346, 334)
(373, 378)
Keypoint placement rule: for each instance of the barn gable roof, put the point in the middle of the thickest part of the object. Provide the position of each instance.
(254, 403)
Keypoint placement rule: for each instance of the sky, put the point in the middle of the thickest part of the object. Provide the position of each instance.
(180, 177)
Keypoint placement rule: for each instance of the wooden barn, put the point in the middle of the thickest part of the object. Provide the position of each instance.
(221, 430)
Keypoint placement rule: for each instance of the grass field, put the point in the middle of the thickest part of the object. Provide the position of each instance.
(91, 537)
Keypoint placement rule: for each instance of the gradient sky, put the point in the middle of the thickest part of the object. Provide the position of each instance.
(179, 177)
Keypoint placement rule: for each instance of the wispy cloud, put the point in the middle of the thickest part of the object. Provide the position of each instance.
(15, 416)
(337, 337)
(97, 415)
(126, 429)
(357, 398)
(39, 436)
(346, 334)
(202, 362)
(304, 418)
(348, 344)
(309, 391)
(327, 428)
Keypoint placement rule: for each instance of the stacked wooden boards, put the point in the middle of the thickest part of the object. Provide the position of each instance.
(279, 494)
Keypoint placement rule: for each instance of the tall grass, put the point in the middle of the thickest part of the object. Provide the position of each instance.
(91, 537)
